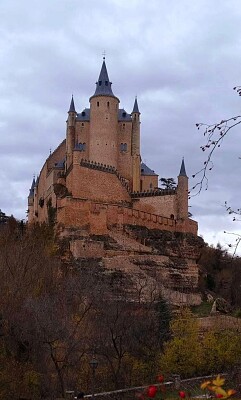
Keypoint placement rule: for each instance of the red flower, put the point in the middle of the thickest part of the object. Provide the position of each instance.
(182, 395)
(219, 396)
(151, 391)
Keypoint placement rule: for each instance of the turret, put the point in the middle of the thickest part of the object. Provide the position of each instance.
(70, 133)
(135, 148)
(31, 190)
(31, 201)
(71, 113)
(182, 193)
(103, 121)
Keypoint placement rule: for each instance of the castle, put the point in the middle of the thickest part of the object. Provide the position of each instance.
(95, 179)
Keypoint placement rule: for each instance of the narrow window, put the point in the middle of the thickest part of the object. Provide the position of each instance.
(82, 146)
(123, 126)
(123, 147)
(150, 185)
(100, 82)
(106, 83)
(98, 104)
(83, 124)
(108, 104)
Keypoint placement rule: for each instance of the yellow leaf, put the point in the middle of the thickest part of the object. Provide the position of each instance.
(230, 392)
(218, 381)
(205, 384)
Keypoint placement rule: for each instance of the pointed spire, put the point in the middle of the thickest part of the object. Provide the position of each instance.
(183, 169)
(136, 108)
(103, 86)
(72, 107)
(37, 181)
(31, 191)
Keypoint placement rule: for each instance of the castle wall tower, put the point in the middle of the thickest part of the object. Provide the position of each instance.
(103, 122)
(182, 193)
(70, 134)
(135, 148)
(31, 202)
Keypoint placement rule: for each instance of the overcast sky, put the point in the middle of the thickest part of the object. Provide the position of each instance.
(180, 57)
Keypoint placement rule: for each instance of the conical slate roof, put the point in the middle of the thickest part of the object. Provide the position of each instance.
(183, 169)
(72, 107)
(103, 86)
(136, 108)
(31, 191)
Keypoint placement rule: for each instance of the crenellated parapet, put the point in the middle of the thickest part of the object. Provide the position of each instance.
(154, 192)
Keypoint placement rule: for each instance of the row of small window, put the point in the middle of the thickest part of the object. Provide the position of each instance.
(82, 146)
(106, 83)
(108, 104)
(123, 125)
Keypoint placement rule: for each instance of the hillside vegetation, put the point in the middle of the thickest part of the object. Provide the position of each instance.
(58, 313)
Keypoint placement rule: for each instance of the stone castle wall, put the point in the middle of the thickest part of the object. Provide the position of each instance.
(99, 217)
(149, 182)
(96, 185)
(167, 204)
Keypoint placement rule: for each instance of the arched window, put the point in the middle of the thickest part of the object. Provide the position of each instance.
(98, 104)
(150, 185)
(108, 104)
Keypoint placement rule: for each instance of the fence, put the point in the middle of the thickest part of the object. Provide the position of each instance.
(169, 389)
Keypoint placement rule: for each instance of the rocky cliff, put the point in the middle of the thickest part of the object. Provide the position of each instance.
(139, 262)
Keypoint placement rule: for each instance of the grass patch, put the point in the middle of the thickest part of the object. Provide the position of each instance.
(203, 310)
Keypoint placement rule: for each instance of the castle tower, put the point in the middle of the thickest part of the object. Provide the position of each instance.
(103, 122)
(70, 134)
(135, 148)
(31, 201)
(182, 193)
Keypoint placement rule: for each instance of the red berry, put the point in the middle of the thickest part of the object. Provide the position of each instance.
(151, 391)
(182, 395)
(160, 378)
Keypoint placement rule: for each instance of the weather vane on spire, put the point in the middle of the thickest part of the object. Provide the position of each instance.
(104, 54)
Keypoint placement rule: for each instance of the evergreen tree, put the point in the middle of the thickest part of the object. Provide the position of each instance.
(168, 183)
